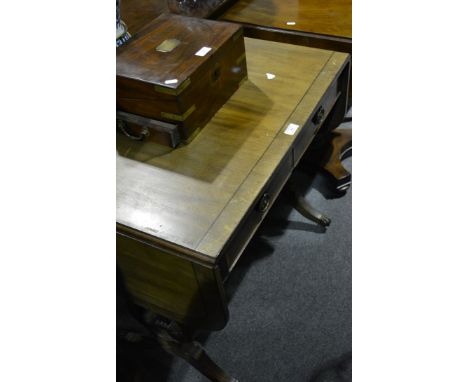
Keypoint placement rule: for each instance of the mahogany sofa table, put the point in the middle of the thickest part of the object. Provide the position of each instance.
(185, 215)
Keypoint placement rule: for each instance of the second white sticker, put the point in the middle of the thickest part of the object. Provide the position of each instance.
(291, 129)
(203, 51)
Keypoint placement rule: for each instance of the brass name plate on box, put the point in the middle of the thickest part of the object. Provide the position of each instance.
(168, 45)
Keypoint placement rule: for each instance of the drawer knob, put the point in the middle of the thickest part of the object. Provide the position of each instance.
(264, 202)
(318, 117)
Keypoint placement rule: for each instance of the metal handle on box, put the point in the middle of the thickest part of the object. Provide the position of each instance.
(123, 127)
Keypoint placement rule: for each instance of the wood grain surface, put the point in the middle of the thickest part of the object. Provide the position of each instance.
(194, 196)
(139, 60)
(137, 13)
(179, 289)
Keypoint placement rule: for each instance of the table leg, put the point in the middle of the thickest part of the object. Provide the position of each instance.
(178, 342)
(135, 325)
(326, 156)
(309, 212)
(193, 353)
(305, 208)
(332, 148)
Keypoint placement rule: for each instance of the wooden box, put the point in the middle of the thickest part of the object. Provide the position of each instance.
(180, 70)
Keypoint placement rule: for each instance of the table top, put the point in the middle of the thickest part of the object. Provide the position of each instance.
(327, 17)
(193, 197)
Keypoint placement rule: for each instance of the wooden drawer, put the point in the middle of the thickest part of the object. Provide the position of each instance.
(329, 110)
(317, 118)
(241, 237)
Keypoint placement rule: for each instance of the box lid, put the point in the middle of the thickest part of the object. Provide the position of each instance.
(172, 48)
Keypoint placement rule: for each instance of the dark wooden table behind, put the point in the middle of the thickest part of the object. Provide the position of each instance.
(325, 24)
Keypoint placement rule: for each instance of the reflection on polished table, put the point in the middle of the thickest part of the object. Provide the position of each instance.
(184, 216)
(138, 13)
(322, 24)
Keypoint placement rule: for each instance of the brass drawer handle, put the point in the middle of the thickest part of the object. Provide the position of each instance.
(318, 117)
(264, 202)
(216, 74)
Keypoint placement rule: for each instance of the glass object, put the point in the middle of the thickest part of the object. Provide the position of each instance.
(122, 34)
(197, 8)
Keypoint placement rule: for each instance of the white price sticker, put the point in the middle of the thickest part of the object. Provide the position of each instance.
(203, 51)
(291, 129)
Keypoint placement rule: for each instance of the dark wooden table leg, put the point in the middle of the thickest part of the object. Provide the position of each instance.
(178, 341)
(135, 325)
(193, 353)
(304, 207)
(326, 156)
